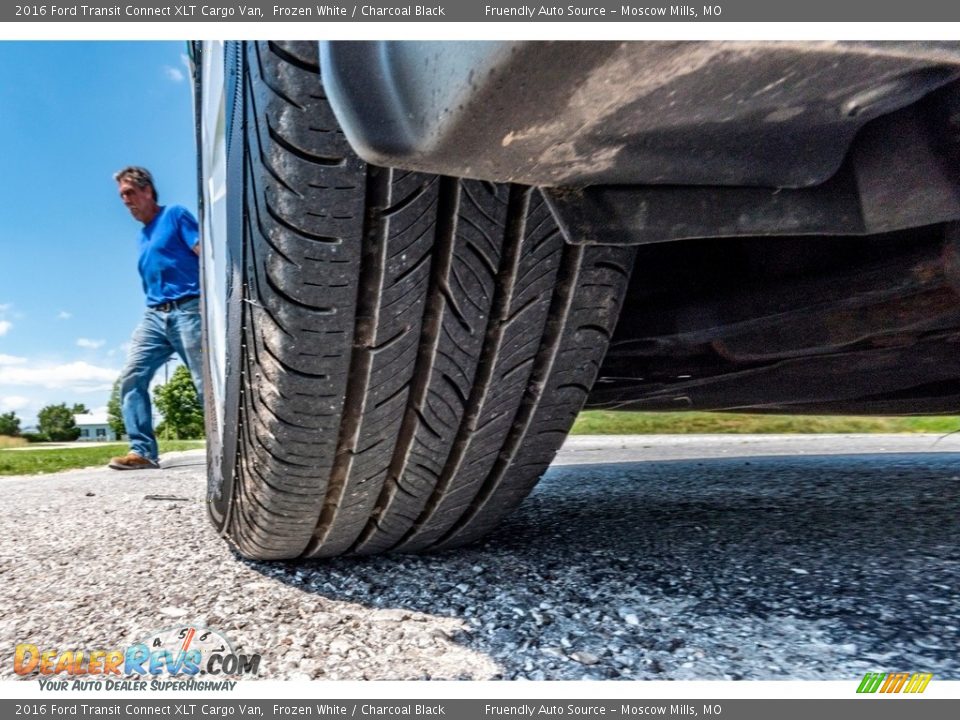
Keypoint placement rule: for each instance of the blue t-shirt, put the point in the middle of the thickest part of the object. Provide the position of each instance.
(168, 265)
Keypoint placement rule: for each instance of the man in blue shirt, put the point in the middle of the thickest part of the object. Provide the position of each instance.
(170, 268)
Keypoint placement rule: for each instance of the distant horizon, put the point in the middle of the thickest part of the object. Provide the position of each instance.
(71, 114)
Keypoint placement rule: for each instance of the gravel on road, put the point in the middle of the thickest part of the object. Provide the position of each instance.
(701, 557)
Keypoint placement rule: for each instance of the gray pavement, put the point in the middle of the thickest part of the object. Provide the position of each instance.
(682, 557)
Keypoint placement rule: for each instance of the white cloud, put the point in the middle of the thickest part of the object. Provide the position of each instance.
(123, 350)
(89, 344)
(174, 74)
(64, 315)
(11, 360)
(5, 326)
(13, 402)
(78, 376)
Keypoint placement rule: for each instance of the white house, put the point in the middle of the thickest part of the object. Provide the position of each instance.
(94, 427)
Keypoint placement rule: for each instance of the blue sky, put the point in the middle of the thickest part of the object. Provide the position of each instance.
(71, 114)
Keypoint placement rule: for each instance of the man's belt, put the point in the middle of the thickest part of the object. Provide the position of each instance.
(173, 304)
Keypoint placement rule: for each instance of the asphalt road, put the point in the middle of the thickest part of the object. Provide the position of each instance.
(694, 557)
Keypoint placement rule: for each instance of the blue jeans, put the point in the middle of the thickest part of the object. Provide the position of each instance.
(156, 339)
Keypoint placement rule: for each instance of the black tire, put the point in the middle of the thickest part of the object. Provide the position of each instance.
(414, 348)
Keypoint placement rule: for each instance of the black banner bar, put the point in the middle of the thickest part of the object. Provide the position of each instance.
(479, 11)
(875, 708)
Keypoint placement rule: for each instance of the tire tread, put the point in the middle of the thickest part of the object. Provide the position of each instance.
(415, 348)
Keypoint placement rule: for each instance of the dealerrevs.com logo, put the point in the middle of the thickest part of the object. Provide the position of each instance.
(179, 652)
(894, 683)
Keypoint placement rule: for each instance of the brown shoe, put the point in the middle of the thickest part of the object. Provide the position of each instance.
(132, 461)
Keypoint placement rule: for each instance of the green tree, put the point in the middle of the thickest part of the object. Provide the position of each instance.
(79, 409)
(9, 424)
(180, 406)
(115, 411)
(56, 422)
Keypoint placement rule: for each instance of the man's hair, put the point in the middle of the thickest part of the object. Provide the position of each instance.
(139, 176)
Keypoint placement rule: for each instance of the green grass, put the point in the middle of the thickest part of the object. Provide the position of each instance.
(604, 422)
(38, 459)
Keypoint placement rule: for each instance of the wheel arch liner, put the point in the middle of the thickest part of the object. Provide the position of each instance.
(578, 113)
